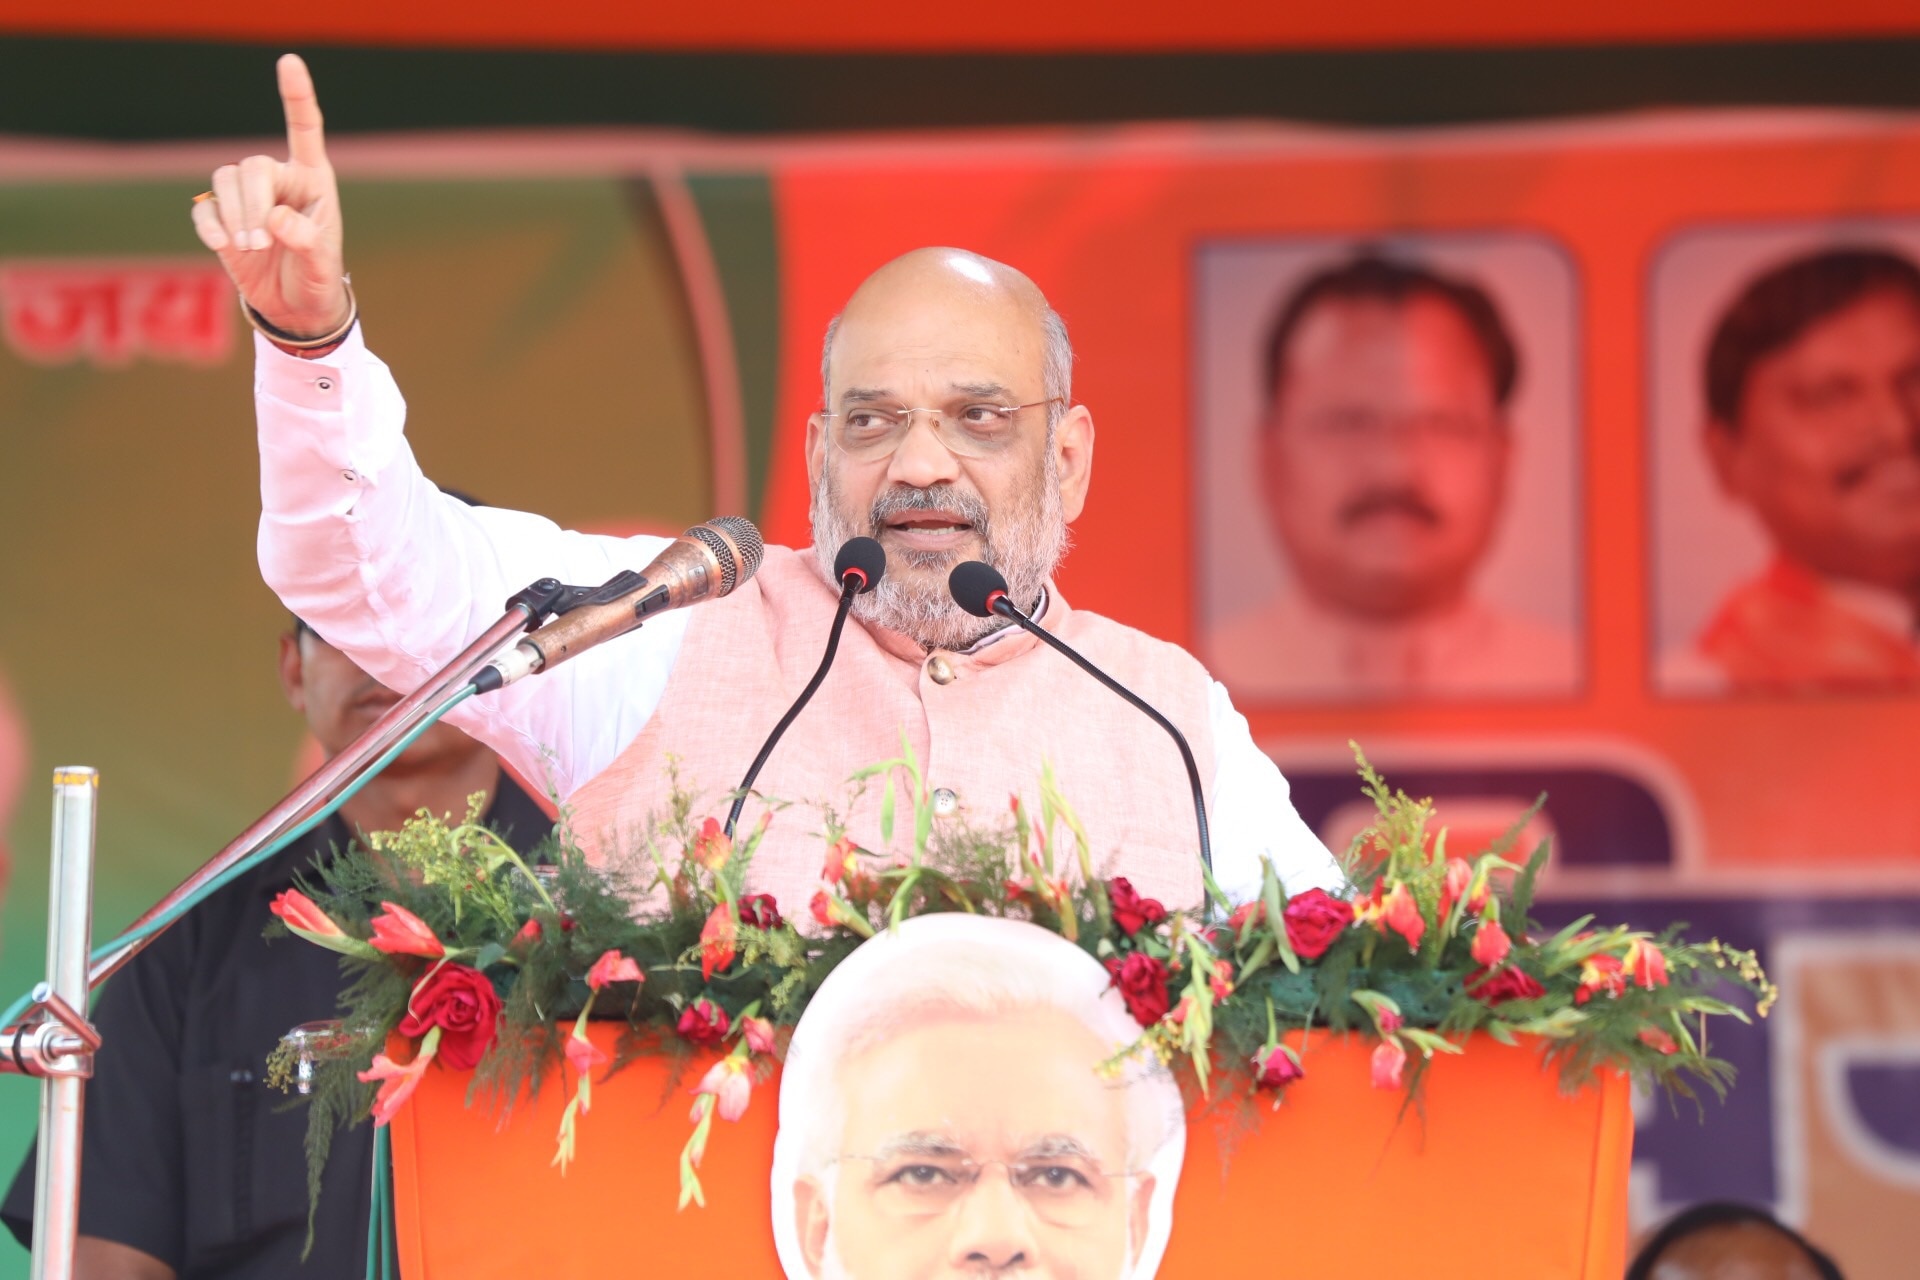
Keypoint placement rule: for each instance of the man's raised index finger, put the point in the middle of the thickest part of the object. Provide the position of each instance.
(306, 137)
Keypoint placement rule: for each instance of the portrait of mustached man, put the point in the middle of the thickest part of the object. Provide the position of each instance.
(1385, 451)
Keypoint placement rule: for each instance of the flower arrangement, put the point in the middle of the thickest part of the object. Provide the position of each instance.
(487, 965)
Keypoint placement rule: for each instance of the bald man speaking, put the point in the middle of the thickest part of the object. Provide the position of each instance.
(948, 432)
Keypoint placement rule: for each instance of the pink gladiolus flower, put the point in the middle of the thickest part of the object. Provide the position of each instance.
(613, 967)
(1600, 973)
(1389, 1060)
(840, 860)
(1401, 914)
(1490, 944)
(1253, 912)
(732, 1088)
(1647, 963)
(758, 1033)
(399, 932)
(1477, 896)
(306, 920)
(583, 1055)
(1454, 887)
(1388, 1022)
(298, 911)
(711, 846)
(1655, 1038)
(718, 938)
(398, 1080)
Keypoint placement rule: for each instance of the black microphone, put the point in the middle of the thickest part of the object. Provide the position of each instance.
(978, 588)
(706, 562)
(859, 568)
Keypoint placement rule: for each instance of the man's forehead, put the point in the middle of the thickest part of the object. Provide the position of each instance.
(941, 308)
(1885, 322)
(1010, 1078)
(1054, 1144)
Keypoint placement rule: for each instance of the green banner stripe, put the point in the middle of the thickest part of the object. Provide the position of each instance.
(153, 89)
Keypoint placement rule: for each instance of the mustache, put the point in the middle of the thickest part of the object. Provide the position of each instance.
(905, 499)
(1851, 477)
(1377, 502)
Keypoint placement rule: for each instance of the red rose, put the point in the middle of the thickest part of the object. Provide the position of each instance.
(1275, 1069)
(461, 1002)
(1498, 986)
(760, 911)
(1142, 980)
(703, 1022)
(1314, 919)
(1131, 911)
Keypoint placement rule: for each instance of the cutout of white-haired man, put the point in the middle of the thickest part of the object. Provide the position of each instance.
(944, 1114)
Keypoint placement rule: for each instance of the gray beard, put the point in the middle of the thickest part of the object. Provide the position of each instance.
(1025, 547)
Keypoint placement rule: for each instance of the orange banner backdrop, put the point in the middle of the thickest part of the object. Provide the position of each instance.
(1114, 232)
(1000, 25)
(1341, 1179)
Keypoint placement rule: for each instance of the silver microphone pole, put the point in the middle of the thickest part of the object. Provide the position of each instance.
(54, 1040)
(60, 1050)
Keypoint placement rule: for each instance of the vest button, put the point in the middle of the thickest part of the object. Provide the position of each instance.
(940, 671)
(945, 801)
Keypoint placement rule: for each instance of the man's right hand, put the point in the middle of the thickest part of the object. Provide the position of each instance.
(276, 226)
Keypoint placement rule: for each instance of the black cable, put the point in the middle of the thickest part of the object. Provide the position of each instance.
(1006, 609)
(850, 586)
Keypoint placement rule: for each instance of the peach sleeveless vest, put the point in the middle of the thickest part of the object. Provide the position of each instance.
(981, 724)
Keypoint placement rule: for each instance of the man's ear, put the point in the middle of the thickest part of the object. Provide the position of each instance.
(293, 682)
(1724, 454)
(1073, 457)
(810, 1222)
(1137, 1220)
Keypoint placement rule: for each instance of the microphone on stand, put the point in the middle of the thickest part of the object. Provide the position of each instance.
(706, 562)
(979, 588)
(858, 568)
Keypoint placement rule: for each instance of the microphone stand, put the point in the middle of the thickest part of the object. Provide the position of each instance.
(1006, 608)
(850, 586)
(48, 1035)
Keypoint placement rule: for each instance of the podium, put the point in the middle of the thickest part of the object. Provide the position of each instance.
(1492, 1170)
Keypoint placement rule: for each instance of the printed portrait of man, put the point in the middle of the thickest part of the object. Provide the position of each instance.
(944, 1112)
(1385, 457)
(1812, 393)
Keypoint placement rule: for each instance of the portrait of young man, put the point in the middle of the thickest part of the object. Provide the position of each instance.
(1385, 446)
(943, 1113)
(1810, 384)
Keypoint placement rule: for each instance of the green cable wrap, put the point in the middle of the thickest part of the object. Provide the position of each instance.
(382, 1264)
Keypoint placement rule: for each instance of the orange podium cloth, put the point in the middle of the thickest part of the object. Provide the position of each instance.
(1495, 1173)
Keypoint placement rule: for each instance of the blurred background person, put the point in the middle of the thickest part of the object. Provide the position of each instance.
(191, 1166)
(1813, 403)
(1726, 1241)
(1384, 455)
(14, 759)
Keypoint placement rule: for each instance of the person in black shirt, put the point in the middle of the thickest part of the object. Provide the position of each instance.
(191, 1166)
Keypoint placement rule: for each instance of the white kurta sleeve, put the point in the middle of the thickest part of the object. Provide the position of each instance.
(1253, 816)
(358, 543)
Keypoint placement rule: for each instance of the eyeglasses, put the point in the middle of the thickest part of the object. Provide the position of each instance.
(968, 430)
(1065, 1191)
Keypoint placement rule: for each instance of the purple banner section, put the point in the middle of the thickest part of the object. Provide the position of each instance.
(1736, 1149)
